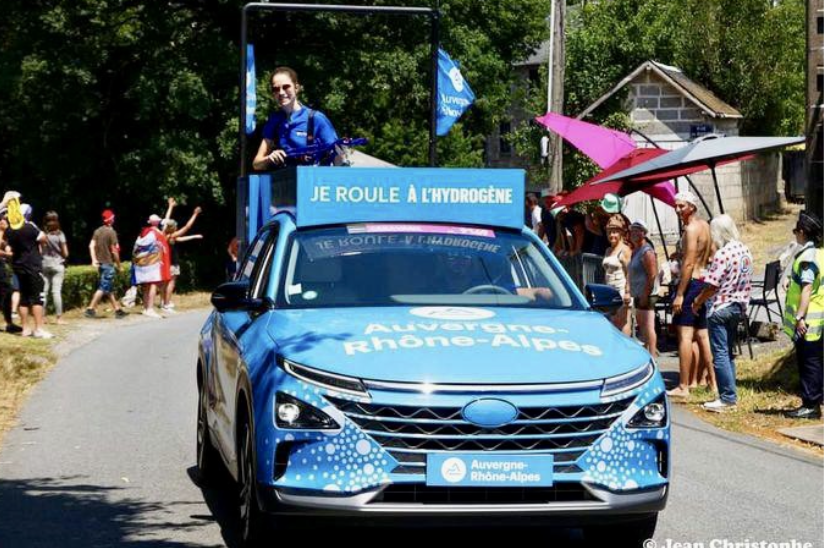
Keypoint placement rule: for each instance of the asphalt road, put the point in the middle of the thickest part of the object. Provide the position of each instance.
(105, 448)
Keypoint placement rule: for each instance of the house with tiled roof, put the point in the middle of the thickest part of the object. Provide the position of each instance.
(668, 106)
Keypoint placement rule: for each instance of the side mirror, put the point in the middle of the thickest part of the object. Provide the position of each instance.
(231, 296)
(603, 298)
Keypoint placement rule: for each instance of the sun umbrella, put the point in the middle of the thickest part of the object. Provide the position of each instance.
(701, 155)
(604, 146)
(660, 189)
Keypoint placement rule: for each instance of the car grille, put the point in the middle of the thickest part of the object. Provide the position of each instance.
(421, 494)
(409, 433)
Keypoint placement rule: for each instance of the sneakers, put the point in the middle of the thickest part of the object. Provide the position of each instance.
(719, 406)
(12, 328)
(90, 313)
(151, 313)
(130, 297)
(121, 313)
(804, 412)
(42, 334)
(167, 309)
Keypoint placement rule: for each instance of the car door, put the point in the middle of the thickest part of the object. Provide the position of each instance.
(228, 330)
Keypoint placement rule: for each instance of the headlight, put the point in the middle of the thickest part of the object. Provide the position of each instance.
(653, 415)
(339, 383)
(628, 381)
(294, 414)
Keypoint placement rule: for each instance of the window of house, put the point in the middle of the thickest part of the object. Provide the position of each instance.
(820, 25)
(533, 74)
(504, 145)
(820, 83)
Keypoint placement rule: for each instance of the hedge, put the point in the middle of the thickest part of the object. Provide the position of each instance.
(80, 283)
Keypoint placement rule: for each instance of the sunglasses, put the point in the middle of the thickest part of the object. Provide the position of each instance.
(285, 87)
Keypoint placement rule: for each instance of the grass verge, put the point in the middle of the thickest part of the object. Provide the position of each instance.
(23, 363)
(766, 386)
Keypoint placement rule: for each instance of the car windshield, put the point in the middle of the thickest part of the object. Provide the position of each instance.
(417, 264)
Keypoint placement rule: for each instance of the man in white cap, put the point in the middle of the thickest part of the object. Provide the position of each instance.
(691, 325)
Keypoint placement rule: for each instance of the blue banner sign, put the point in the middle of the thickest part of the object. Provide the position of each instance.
(335, 195)
(489, 470)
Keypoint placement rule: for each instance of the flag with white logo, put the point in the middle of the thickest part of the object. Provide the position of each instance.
(454, 95)
(251, 97)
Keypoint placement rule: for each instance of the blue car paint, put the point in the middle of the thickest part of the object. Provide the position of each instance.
(392, 344)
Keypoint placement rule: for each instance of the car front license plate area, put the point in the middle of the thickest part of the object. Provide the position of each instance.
(489, 470)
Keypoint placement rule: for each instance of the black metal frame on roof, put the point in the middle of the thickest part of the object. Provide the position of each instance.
(434, 15)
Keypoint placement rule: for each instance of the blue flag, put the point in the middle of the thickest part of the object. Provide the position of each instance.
(454, 95)
(251, 97)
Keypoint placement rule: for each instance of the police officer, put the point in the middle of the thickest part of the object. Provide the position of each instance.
(803, 318)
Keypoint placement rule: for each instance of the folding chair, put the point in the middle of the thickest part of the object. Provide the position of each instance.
(770, 283)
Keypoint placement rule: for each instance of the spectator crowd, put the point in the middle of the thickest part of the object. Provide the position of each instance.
(33, 265)
(706, 284)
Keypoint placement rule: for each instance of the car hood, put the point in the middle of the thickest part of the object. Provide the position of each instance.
(459, 345)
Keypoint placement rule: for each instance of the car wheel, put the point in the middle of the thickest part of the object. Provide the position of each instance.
(631, 534)
(209, 462)
(252, 524)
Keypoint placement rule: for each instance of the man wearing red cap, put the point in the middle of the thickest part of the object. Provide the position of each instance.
(105, 254)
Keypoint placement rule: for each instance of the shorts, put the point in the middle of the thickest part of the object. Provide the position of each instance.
(175, 270)
(652, 302)
(107, 278)
(31, 288)
(686, 317)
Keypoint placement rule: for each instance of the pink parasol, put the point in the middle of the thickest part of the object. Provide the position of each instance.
(604, 146)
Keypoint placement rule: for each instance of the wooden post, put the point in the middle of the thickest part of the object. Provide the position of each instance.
(556, 91)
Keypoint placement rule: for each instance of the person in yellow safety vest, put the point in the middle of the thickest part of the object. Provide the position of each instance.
(803, 318)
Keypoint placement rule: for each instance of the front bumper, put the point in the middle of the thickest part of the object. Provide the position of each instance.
(603, 503)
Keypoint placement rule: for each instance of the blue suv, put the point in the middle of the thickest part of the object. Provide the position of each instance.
(384, 360)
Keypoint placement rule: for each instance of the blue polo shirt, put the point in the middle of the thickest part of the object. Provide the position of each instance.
(288, 134)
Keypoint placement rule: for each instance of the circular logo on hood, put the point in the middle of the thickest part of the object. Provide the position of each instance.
(490, 412)
(452, 313)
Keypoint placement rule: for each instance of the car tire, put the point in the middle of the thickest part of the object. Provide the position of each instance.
(252, 524)
(209, 461)
(630, 534)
